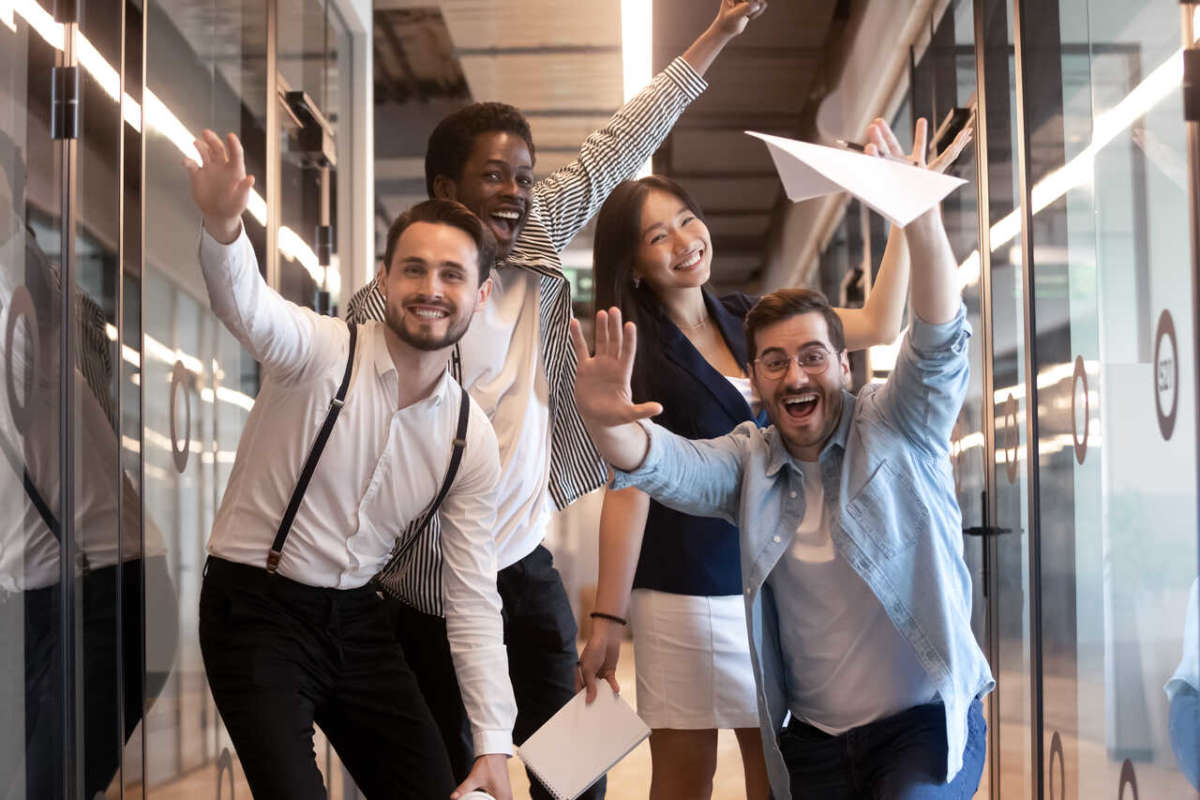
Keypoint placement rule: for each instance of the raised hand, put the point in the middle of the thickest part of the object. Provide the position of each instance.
(882, 141)
(220, 185)
(735, 15)
(602, 392)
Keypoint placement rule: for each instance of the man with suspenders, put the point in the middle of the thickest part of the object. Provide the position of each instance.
(292, 629)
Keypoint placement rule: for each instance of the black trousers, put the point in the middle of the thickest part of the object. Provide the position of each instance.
(281, 655)
(539, 634)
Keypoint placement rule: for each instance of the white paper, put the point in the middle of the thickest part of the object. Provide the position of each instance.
(580, 743)
(900, 192)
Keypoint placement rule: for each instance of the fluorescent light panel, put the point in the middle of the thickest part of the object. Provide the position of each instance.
(637, 43)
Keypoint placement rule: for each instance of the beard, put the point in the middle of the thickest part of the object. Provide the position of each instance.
(831, 409)
(428, 342)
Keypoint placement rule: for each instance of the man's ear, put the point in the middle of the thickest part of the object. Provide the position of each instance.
(844, 367)
(444, 188)
(485, 291)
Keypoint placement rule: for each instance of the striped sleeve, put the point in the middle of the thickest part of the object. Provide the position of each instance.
(571, 195)
(365, 305)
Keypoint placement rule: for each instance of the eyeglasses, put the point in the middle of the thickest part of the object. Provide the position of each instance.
(814, 361)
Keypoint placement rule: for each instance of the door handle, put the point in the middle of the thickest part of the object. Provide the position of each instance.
(985, 530)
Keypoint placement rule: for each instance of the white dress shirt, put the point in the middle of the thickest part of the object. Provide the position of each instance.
(381, 469)
(501, 362)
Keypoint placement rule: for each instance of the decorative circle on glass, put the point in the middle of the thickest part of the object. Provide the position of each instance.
(1014, 437)
(1080, 378)
(1056, 750)
(225, 766)
(179, 379)
(21, 402)
(1166, 374)
(1128, 778)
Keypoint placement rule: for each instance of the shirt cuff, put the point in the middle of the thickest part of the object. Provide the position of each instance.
(213, 250)
(623, 479)
(953, 335)
(685, 77)
(492, 743)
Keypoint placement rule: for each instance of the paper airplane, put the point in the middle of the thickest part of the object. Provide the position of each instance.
(901, 192)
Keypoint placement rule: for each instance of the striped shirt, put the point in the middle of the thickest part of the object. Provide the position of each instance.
(562, 204)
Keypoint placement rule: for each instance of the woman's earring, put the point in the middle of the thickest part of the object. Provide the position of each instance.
(637, 282)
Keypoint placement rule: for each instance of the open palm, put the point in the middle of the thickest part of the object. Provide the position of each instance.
(220, 185)
(602, 392)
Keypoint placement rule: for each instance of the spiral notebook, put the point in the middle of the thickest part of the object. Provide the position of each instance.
(580, 743)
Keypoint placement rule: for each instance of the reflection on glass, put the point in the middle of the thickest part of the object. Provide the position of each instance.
(1118, 518)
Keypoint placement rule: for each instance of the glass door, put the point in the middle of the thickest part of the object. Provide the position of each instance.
(1112, 342)
(32, 686)
(1012, 644)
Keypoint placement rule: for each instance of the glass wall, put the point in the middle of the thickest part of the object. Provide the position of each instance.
(1116, 440)
(124, 398)
(1075, 455)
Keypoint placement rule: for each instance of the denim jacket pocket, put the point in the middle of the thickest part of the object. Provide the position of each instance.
(886, 513)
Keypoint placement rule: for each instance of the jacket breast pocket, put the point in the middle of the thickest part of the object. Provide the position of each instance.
(887, 514)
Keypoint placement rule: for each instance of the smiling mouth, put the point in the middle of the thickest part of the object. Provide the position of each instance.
(507, 220)
(801, 406)
(428, 314)
(691, 262)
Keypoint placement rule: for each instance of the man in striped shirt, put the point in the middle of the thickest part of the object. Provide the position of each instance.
(517, 363)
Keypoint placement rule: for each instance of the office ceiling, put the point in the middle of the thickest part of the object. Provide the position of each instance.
(559, 61)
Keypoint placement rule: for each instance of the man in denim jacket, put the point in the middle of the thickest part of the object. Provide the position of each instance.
(858, 601)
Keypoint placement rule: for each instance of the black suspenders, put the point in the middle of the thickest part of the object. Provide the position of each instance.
(314, 455)
(460, 442)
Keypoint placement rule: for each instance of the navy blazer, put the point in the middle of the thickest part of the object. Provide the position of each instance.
(683, 554)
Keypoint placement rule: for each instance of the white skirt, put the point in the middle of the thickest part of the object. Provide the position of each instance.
(692, 656)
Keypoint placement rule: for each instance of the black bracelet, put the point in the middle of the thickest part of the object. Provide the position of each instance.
(609, 617)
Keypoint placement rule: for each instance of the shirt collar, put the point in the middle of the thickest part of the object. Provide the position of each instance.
(778, 455)
(384, 365)
(381, 357)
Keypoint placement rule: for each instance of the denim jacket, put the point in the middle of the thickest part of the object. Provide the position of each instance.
(894, 517)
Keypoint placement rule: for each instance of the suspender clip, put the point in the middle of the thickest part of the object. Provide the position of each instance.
(273, 561)
(336, 403)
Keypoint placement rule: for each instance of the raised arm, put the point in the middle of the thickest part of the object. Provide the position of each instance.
(570, 196)
(879, 321)
(277, 333)
(923, 395)
(701, 477)
(622, 526)
(936, 295)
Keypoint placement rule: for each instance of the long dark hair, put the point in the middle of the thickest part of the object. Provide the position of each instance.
(618, 236)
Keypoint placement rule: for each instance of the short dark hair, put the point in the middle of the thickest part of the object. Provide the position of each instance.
(451, 142)
(445, 212)
(788, 303)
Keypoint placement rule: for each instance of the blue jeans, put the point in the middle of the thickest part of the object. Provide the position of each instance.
(1185, 733)
(899, 758)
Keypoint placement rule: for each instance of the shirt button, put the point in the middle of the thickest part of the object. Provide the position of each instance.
(778, 539)
(792, 494)
(748, 590)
